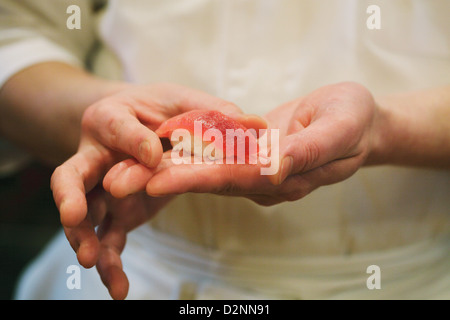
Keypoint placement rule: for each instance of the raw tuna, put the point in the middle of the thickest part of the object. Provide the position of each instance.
(209, 132)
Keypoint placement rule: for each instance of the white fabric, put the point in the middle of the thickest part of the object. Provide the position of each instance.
(32, 32)
(160, 267)
(260, 54)
(19, 56)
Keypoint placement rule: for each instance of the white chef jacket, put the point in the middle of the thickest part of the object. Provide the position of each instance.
(260, 54)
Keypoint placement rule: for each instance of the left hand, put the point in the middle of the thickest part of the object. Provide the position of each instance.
(324, 138)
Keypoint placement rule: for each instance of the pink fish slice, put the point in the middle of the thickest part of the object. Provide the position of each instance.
(210, 132)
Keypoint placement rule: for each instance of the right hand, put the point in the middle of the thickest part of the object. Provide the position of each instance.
(115, 128)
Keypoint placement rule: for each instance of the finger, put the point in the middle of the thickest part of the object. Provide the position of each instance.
(127, 177)
(73, 179)
(298, 186)
(114, 172)
(84, 242)
(324, 140)
(206, 178)
(113, 277)
(97, 205)
(83, 238)
(112, 241)
(121, 130)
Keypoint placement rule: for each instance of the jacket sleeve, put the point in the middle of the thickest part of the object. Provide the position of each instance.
(36, 31)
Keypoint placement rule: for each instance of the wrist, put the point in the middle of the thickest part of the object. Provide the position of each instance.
(42, 107)
(412, 129)
(382, 136)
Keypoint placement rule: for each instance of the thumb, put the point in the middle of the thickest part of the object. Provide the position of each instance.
(120, 130)
(316, 145)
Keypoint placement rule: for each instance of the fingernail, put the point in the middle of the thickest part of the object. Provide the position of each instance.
(286, 168)
(145, 151)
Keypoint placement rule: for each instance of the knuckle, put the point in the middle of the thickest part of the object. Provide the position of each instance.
(103, 123)
(92, 114)
(311, 154)
(113, 129)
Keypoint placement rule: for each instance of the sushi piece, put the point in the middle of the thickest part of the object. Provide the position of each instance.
(212, 135)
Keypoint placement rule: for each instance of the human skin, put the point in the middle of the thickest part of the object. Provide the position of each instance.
(330, 134)
(84, 125)
(94, 127)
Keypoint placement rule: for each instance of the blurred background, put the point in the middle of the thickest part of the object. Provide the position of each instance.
(28, 216)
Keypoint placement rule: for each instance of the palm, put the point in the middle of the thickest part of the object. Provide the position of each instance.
(328, 135)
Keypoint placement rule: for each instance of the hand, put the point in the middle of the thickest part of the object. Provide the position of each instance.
(113, 129)
(114, 218)
(330, 134)
(324, 138)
